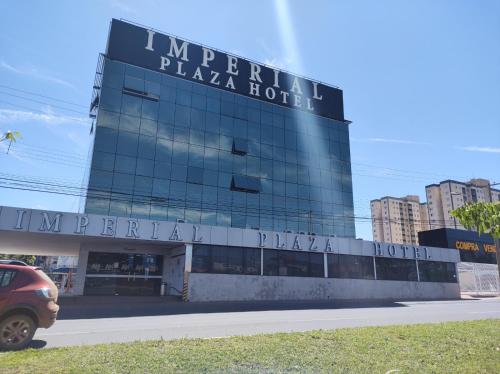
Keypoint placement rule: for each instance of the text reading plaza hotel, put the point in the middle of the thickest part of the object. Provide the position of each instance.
(219, 178)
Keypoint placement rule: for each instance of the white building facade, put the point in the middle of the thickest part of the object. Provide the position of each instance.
(125, 256)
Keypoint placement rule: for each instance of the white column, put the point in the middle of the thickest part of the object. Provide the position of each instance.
(325, 264)
(188, 258)
(187, 269)
(262, 261)
(79, 277)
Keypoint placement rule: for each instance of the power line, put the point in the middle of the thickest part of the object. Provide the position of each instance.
(406, 176)
(35, 154)
(42, 102)
(59, 159)
(44, 96)
(45, 179)
(347, 162)
(307, 215)
(248, 212)
(75, 119)
(80, 162)
(34, 178)
(411, 171)
(48, 159)
(51, 151)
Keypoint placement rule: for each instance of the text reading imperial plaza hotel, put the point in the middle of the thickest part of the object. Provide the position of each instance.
(217, 178)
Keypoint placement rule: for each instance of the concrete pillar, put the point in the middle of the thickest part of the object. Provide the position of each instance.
(188, 262)
(189, 258)
(262, 261)
(79, 278)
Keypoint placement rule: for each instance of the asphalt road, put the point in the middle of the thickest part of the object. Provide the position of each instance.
(191, 323)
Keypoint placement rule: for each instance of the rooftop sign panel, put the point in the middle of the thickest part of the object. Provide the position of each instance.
(170, 55)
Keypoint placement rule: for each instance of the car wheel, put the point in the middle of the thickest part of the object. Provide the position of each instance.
(16, 332)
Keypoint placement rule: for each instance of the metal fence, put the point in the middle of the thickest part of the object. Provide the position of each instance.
(480, 279)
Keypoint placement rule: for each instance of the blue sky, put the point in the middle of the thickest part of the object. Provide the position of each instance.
(421, 81)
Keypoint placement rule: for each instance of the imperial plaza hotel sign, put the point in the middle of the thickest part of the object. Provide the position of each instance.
(170, 55)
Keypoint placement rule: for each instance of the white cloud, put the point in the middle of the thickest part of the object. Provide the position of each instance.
(480, 149)
(388, 140)
(10, 116)
(35, 73)
(122, 5)
(280, 63)
(283, 62)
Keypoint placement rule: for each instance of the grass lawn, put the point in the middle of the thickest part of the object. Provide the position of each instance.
(454, 347)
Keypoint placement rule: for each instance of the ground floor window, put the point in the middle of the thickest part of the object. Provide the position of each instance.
(225, 260)
(347, 266)
(124, 264)
(293, 263)
(247, 261)
(436, 271)
(396, 269)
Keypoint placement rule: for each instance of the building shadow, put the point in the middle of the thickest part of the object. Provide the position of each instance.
(121, 306)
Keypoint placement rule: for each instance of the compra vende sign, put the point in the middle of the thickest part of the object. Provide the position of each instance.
(475, 247)
(466, 246)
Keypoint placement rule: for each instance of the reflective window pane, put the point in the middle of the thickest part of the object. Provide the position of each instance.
(396, 269)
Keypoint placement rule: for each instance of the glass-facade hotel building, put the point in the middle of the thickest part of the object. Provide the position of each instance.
(215, 178)
(171, 148)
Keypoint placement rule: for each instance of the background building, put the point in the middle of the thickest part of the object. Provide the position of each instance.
(398, 220)
(448, 195)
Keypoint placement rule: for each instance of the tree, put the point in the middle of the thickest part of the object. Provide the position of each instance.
(10, 136)
(29, 259)
(483, 217)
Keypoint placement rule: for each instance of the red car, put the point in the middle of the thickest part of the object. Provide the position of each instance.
(28, 300)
